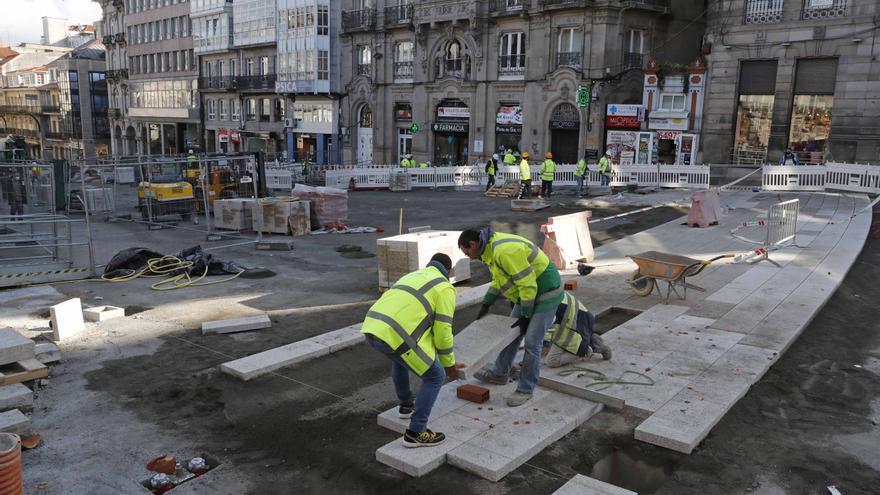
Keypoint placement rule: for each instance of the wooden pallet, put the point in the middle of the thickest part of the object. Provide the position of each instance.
(506, 190)
(22, 371)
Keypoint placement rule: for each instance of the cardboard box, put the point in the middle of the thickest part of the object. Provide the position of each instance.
(407, 253)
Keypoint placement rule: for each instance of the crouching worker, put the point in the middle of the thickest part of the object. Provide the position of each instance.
(411, 324)
(572, 336)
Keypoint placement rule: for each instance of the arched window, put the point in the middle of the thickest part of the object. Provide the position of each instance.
(454, 60)
(365, 117)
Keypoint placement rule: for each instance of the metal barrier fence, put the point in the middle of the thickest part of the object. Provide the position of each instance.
(839, 176)
(474, 175)
(782, 222)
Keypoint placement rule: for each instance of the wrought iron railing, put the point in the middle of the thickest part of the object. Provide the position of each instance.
(632, 60)
(502, 6)
(256, 82)
(763, 11)
(568, 59)
(358, 19)
(403, 70)
(399, 14)
(217, 82)
(511, 65)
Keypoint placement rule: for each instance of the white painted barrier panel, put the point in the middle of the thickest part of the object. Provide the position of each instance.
(853, 177)
(793, 178)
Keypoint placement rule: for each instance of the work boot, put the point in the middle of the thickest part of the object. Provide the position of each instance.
(405, 412)
(426, 438)
(600, 347)
(486, 375)
(517, 398)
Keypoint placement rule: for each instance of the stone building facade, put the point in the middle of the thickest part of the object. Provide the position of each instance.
(799, 74)
(452, 81)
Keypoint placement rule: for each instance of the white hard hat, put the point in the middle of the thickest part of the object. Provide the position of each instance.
(190, 151)
(408, 155)
(495, 156)
(608, 152)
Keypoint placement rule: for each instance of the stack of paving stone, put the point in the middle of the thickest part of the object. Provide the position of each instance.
(18, 364)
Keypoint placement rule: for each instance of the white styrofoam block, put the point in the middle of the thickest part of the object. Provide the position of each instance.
(415, 462)
(14, 421)
(47, 352)
(103, 313)
(263, 363)
(16, 396)
(14, 346)
(340, 339)
(481, 341)
(67, 319)
(236, 324)
(583, 485)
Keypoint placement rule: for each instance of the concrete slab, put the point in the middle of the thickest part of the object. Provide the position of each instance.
(481, 341)
(682, 423)
(47, 352)
(14, 421)
(236, 324)
(584, 485)
(340, 339)
(262, 363)
(498, 451)
(729, 295)
(103, 313)
(16, 396)
(67, 319)
(14, 346)
(415, 462)
(446, 403)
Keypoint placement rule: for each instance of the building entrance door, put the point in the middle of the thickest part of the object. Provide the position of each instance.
(564, 133)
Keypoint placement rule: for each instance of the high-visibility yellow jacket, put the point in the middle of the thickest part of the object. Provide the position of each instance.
(522, 273)
(414, 317)
(581, 168)
(525, 172)
(406, 162)
(573, 327)
(605, 165)
(509, 159)
(548, 170)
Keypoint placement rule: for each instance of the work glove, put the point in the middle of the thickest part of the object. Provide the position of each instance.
(452, 371)
(522, 323)
(484, 310)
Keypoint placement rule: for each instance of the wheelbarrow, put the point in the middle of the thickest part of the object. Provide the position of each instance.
(670, 268)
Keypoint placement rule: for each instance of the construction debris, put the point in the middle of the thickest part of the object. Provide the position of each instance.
(103, 313)
(47, 352)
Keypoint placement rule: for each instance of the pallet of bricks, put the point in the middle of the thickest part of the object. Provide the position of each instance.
(22, 362)
(287, 215)
(402, 254)
(329, 205)
(234, 214)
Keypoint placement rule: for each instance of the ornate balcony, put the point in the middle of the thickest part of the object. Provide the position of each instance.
(632, 60)
(763, 11)
(222, 83)
(512, 65)
(266, 82)
(401, 15)
(508, 6)
(358, 20)
(568, 59)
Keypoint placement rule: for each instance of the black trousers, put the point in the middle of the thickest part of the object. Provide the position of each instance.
(525, 189)
(490, 182)
(546, 188)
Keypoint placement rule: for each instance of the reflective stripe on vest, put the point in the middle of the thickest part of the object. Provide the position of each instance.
(411, 341)
(512, 278)
(565, 335)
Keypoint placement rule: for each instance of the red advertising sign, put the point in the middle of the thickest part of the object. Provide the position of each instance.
(627, 121)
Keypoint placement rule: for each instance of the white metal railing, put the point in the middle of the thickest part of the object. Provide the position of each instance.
(763, 11)
(793, 178)
(782, 222)
(853, 177)
(473, 175)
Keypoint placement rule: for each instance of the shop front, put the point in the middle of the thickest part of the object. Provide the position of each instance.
(628, 145)
(451, 129)
(403, 125)
(674, 145)
(508, 127)
(228, 140)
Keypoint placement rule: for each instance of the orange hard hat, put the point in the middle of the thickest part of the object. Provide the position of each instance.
(548, 155)
(525, 154)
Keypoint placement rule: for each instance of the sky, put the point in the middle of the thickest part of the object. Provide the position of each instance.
(20, 20)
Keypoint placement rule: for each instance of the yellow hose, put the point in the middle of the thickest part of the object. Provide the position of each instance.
(159, 267)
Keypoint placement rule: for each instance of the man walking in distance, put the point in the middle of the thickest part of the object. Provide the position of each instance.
(491, 169)
(523, 274)
(525, 177)
(605, 165)
(580, 171)
(548, 173)
(411, 324)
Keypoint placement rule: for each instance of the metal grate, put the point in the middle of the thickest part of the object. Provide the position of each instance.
(763, 11)
(824, 9)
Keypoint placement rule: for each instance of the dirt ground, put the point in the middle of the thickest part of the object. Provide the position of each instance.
(311, 428)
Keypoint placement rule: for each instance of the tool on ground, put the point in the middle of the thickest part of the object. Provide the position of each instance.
(670, 268)
(601, 379)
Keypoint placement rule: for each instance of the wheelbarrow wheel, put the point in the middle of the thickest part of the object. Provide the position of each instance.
(642, 287)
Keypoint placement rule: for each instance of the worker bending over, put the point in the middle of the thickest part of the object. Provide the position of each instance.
(572, 336)
(411, 324)
(524, 275)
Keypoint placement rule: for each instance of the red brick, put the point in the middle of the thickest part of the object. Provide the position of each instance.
(472, 393)
(571, 284)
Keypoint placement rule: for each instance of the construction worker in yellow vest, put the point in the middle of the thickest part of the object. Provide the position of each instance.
(580, 170)
(421, 165)
(411, 324)
(524, 275)
(491, 170)
(605, 167)
(509, 159)
(407, 161)
(525, 177)
(548, 173)
(572, 336)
